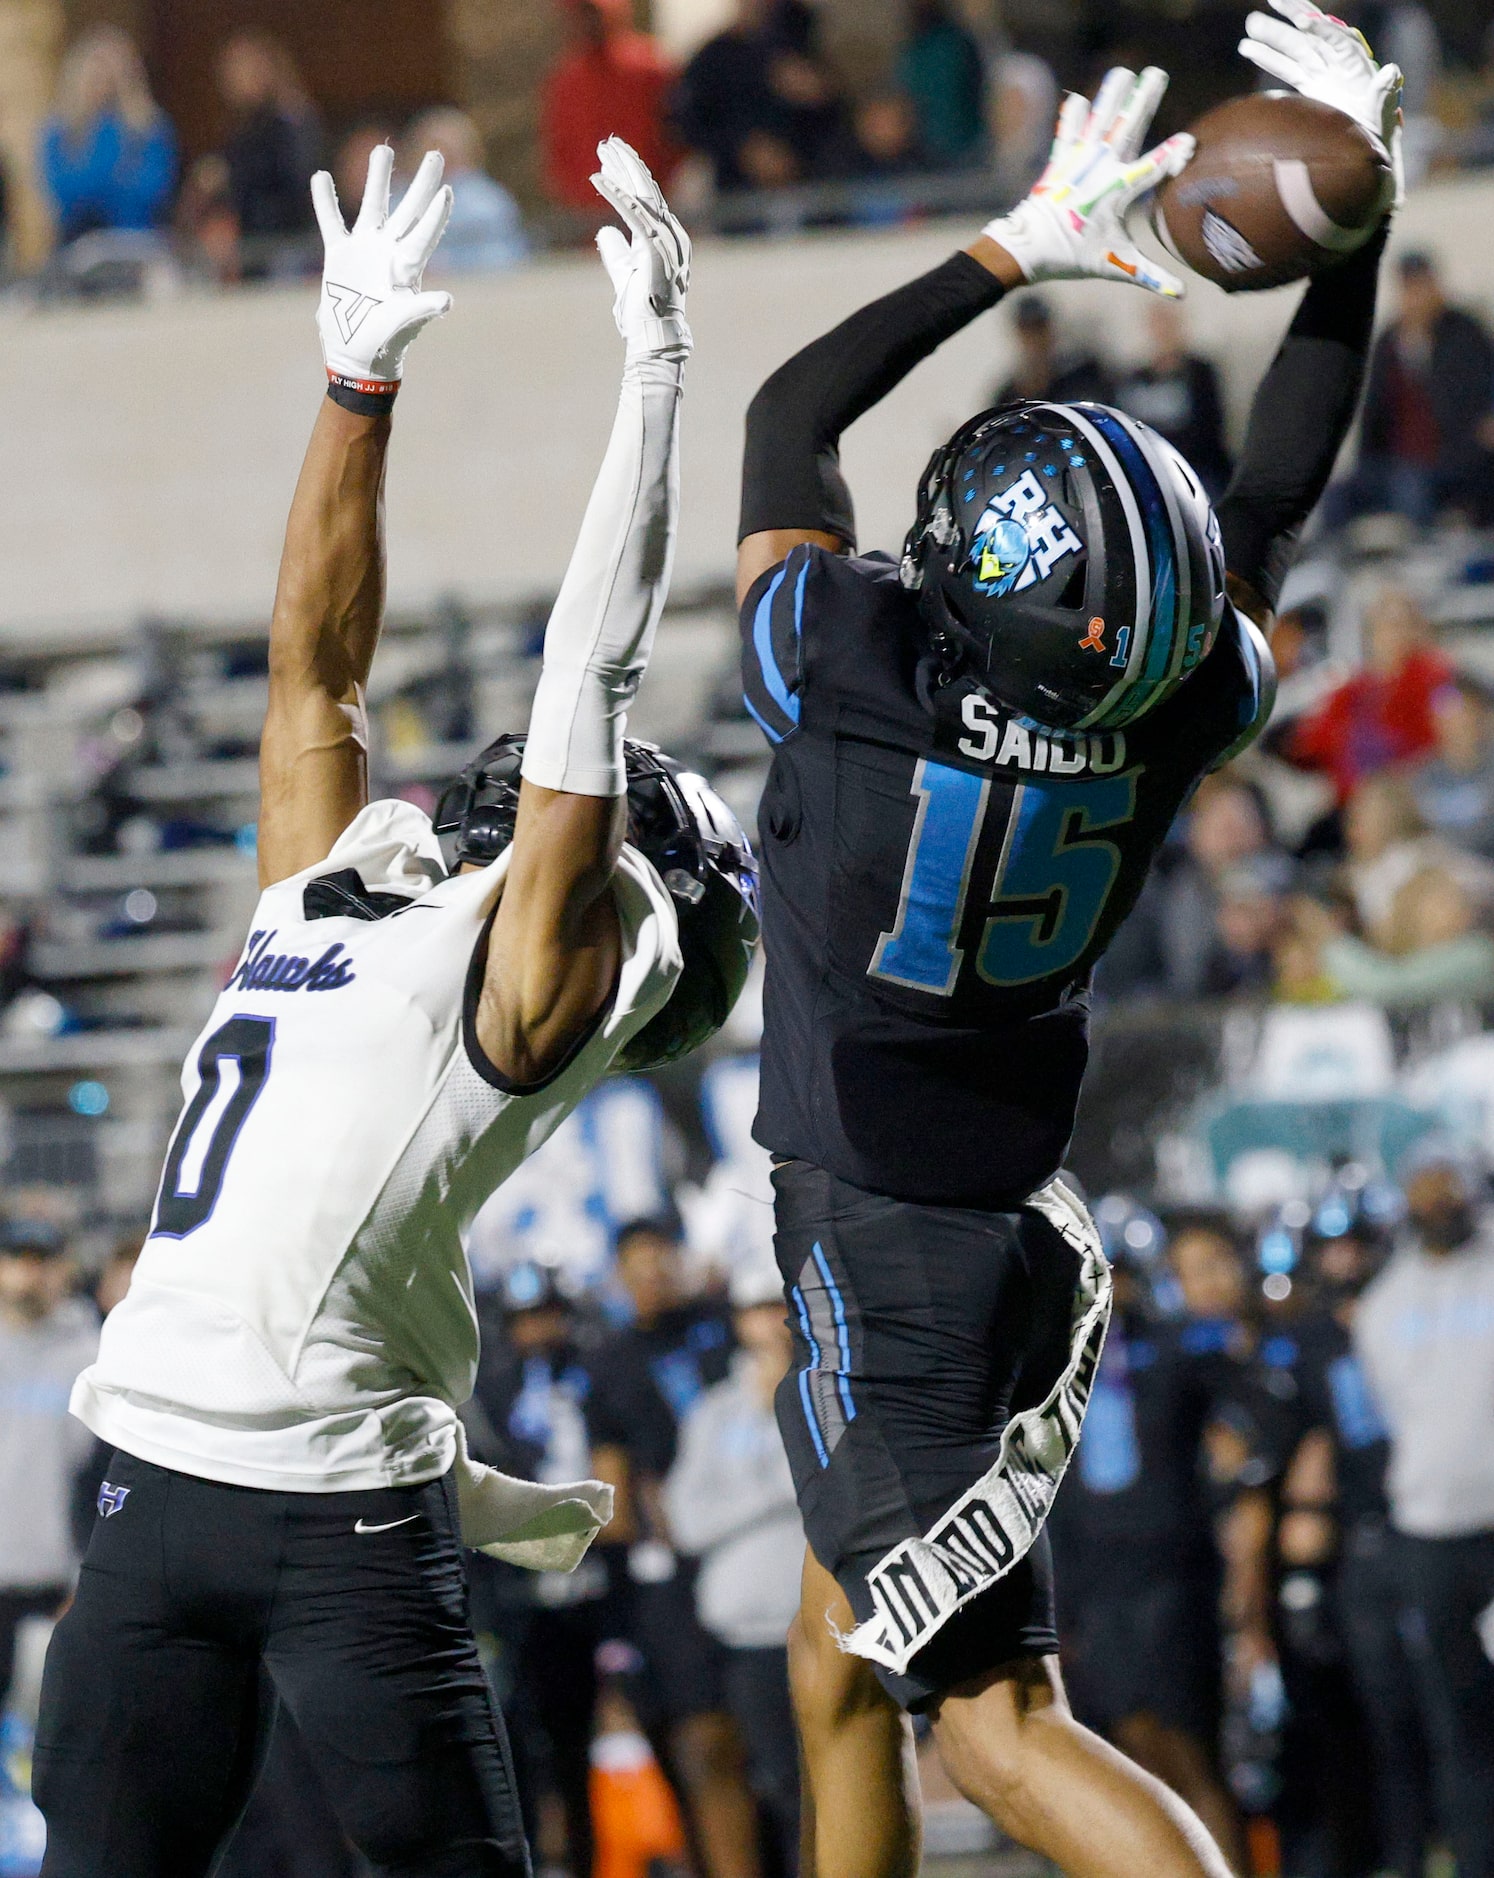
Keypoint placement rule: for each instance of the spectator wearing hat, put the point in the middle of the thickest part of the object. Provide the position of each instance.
(1426, 441)
(1424, 1333)
(730, 1501)
(609, 81)
(47, 1336)
(1045, 367)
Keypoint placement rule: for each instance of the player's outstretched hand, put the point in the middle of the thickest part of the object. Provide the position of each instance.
(1326, 59)
(1073, 224)
(651, 272)
(372, 305)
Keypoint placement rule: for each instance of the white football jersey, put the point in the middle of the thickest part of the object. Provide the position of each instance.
(302, 1317)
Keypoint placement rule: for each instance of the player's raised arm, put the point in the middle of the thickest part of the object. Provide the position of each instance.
(1071, 226)
(554, 951)
(329, 601)
(1307, 400)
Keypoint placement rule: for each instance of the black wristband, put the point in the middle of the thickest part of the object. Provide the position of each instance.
(791, 465)
(366, 397)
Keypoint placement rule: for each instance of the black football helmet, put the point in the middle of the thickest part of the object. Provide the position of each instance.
(679, 823)
(1067, 557)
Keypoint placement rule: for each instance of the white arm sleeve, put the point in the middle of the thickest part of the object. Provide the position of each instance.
(601, 631)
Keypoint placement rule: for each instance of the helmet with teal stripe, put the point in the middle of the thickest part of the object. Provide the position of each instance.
(1067, 558)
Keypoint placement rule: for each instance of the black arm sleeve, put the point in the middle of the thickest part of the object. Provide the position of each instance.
(1300, 417)
(791, 475)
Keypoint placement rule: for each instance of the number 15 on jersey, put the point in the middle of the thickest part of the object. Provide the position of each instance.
(1045, 894)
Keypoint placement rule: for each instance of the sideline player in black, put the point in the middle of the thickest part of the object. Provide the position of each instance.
(647, 1375)
(1143, 1529)
(977, 753)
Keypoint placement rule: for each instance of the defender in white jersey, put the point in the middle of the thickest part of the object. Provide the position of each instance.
(283, 1515)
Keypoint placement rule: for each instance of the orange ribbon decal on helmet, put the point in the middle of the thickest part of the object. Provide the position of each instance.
(1094, 639)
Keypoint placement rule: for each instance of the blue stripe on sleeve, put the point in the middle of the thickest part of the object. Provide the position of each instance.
(771, 650)
(762, 640)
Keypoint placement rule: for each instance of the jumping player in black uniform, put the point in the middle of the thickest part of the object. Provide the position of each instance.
(977, 752)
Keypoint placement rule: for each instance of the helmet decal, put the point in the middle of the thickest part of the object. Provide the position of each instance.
(1001, 552)
(1020, 538)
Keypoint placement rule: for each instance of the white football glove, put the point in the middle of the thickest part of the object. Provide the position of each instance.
(1073, 224)
(1325, 59)
(371, 305)
(650, 273)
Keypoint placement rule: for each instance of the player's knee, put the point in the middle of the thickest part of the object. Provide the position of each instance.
(828, 1683)
(986, 1740)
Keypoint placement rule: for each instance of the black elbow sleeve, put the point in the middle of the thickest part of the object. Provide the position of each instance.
(791, 475)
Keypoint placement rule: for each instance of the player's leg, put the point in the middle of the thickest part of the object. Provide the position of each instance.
(1181, 1761)
(371, 1650)
(1011, 1746)
(1007, 1737)
(861, 1805)
(892, 1409)
(152, 1708)
(940, 1323)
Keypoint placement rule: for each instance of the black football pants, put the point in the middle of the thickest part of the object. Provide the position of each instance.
(199, 1607)
(1448, 1587)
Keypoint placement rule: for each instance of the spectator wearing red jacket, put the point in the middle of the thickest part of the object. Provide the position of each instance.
(610, 81)
(1384, 714)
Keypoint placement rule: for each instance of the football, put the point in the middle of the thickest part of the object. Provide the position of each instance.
(1278, 187)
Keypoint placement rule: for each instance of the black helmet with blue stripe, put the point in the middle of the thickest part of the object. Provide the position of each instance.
(1067, 557)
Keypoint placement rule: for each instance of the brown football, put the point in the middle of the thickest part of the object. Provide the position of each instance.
(1278, 187)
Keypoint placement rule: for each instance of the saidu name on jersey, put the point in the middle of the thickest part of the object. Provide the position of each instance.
(974, 728)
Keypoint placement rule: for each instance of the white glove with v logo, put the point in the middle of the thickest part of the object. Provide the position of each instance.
(372, 306)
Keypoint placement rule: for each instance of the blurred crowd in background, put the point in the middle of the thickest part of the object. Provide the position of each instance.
(1274, 1549)
(758, 127)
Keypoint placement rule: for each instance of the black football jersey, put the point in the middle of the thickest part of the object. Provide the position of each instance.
(939, 877)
